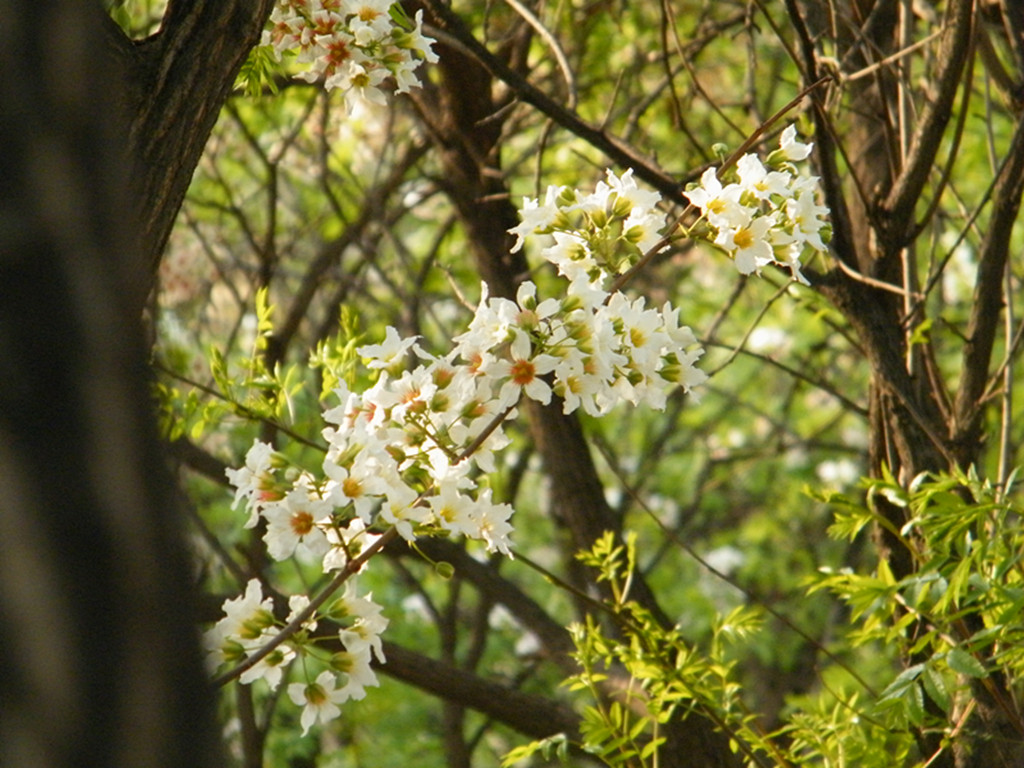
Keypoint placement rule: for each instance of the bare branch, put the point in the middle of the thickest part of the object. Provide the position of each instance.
(987, 306)
(952, 55)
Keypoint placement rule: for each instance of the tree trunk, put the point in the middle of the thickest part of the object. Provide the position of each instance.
(99, 653)
(173, 85)
(915, 425)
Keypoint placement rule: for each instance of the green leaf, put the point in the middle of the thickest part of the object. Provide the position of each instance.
(898, 687)
(920, 334)
(257, 72)
(935, 687)
(961, 661)
(914, 699)
(400, 17)
(559, 744)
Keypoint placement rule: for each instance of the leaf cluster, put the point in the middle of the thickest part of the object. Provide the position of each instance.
(955, 623)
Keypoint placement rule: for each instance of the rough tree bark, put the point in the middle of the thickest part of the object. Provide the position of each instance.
(99, 653)
(173, 85)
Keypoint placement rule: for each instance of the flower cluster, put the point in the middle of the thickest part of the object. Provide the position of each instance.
(406, 453)
(770, 214)
(353, 45)
(249, 623)
(596, 234)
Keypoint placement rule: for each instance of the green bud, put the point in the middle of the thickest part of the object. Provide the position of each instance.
(275, 657)
(776, 159)
(670, 372)
(566, 197)
(337, 610)
(634, 234)
(570, 304)
(233, 651)
(253, 627)
(622, 206)
(341, 661)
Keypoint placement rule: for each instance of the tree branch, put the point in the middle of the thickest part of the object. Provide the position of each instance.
(987, 306)
(906, 190)
(529, 714)
(618, 152)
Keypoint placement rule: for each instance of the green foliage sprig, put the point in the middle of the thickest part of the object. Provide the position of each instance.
(954, 622)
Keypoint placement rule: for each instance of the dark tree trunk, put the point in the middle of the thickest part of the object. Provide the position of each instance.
(916, 426)
(99, 653)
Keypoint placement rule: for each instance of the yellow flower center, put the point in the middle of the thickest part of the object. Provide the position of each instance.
(352, 488)
(743, 238)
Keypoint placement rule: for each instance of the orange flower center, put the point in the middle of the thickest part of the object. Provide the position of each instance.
(302, 523)
(523, 372)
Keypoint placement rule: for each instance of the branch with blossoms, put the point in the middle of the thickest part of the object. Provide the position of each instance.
(351, 45)
(769, 215)
(409, 456)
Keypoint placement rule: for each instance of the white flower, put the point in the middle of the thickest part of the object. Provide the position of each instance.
(292, 524)
(643, 229)
(254, 481)
(388, 352)
(590, 293)
(351, 45)
(363, 79)
(370, 25)
(639, 201)
(399, 509)
(296, 605)
(792, 149)
(356, 666)
(642, 332)
(748, 243)
(359, 485)
(453, 510)
(247, 624)
(536, 217)
(522, 373)
(492, 523)
(345, 414)
(365, 631)
(492, 324)
(409, 395)
(720, 205)
(247, 616)
(576, 386)
(417, 41)
(571, 254)
(319, 699)
(807, 217)
(270, 668)
(346, 543)
(759, 181)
